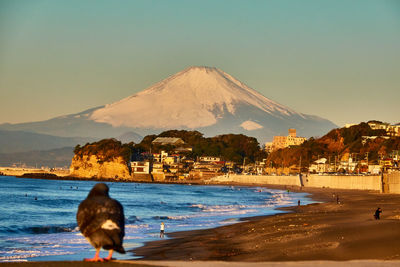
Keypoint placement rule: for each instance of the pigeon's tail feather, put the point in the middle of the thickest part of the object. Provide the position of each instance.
(120, 249)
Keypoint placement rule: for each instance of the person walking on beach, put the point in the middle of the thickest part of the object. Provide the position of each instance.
(377, 214)
(162, 228)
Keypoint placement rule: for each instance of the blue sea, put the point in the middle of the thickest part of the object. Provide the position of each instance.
(38, 223)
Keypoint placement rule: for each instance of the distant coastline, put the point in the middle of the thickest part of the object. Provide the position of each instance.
(40, 174)
(383, 183)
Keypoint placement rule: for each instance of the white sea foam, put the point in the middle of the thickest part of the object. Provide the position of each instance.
(136, 226)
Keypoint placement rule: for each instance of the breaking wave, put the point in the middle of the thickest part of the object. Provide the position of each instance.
(45, 229)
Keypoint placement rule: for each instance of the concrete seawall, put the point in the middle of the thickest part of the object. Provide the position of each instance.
(371, 182)
(391, 182)
(344, 182)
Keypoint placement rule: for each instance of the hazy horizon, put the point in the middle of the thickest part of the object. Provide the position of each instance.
(335, 59)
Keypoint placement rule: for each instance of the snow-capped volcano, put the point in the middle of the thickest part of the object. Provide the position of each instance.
(198, 98)
(193, 98)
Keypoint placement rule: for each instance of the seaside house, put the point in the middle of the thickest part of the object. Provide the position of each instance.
(260, 167)
(140, 167)
(206, 170)
(348, 165)
(391, 130)
(319, 166)
(209, 159)
(172, 159)
(157, 171)
(157, 168)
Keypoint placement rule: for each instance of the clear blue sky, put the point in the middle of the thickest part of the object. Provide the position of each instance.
(336, 59)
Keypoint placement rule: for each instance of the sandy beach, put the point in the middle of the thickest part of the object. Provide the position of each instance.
(323, 231)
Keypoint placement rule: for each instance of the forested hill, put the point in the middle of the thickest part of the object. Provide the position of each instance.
(231, 147)
(338, 142)
(105, 150)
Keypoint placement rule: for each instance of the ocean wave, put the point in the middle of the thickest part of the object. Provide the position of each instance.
(220, 208)
(229, 221)
(182, 217)
(137, 226)
(22, 255)
(42, 229)
(200, 206)
(160, 217)
(132, 219)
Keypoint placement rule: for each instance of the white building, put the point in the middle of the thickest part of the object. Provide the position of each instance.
(280, 142)
(140, 167)
(210, 159)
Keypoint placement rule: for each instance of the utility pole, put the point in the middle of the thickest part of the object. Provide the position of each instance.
(300, 165)
(348, 163)
(335, 164)
(329, 162)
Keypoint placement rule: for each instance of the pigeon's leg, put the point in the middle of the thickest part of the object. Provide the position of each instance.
(109, 257)
(96, 256)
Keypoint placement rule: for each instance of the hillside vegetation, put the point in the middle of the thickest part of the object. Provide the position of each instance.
(105, 150)
(338, 143)
(231, 147)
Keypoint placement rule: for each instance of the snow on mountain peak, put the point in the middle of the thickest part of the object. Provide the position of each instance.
(195, 97)
(251, 125)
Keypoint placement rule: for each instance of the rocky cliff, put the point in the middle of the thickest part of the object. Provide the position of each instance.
(93, 167)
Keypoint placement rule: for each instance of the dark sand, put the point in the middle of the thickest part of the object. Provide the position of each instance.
(72, 263)
(323, 231)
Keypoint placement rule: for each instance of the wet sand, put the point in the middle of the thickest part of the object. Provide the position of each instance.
(321, 231)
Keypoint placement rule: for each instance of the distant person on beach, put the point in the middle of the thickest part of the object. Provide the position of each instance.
(377, 214)
(162, 228)
(337, 199)
(298, 203)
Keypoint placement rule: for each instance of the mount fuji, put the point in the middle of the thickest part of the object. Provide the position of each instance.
(198, 98)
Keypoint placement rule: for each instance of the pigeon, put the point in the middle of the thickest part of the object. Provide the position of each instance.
(101, 220)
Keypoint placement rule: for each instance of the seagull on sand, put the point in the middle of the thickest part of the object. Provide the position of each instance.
(101, 220)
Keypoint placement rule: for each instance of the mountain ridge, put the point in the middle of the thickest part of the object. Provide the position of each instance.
(206, 99)
(203, 94)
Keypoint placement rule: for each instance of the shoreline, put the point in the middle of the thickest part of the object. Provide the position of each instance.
(319, 231)
(50, 176)
(324, 231)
